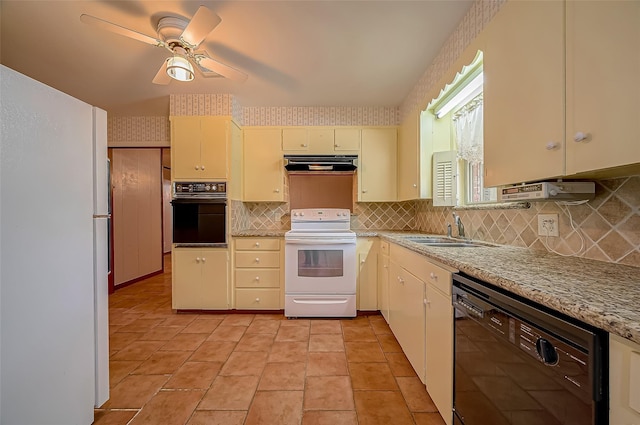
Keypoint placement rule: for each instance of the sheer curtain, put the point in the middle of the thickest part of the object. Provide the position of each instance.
(468, 128)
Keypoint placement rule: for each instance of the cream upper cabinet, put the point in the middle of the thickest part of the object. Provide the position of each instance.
(199, 148)
(409, 164)
(603, 87)
(377, 166)
(624, 381)
(295, 140)
(524, 93)
(200, 278)
(346, 140)
(263, 168)
(320, 140)
(554, 108)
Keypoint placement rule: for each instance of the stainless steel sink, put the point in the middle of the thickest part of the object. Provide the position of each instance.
(444, 242)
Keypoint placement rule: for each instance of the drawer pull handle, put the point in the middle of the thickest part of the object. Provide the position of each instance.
(257, 244)
(433, 276)
(257, 260)
(257, 300)
(204, 259)
(257, 278)
(197, 259)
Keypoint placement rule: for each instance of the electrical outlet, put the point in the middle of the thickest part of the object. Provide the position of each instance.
(548, 225)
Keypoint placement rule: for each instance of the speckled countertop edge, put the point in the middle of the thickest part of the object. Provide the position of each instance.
(604, 295)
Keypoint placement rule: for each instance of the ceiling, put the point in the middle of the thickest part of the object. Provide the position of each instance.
(296, 53)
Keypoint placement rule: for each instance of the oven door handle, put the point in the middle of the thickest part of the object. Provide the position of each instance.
(320, 242)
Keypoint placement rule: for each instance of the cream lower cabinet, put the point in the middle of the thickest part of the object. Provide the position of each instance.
(383, 280)
(262, 168)
(439, 341)
(624, 381)
(258, 274)
(200, 278)
(367, 279)
(406, 314)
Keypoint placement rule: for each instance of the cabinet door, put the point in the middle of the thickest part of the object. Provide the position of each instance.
(603, 92)
(409, 159)
(439, 351)
(347, 139)
(624, 381)
(185, 148)
(263, 168)
(377, 169)
(523, 93)
(186, 279)
(407, 314)
(215, 279)
(321, 141)
(295, 140)
(383, 286)
(214, 148)
(367, 274)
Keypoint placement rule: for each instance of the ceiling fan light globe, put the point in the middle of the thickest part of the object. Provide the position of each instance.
(179, 68)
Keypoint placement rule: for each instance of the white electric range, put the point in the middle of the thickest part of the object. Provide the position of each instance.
(320, 264)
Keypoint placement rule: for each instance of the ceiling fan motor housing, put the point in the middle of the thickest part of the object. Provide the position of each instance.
(170, 29)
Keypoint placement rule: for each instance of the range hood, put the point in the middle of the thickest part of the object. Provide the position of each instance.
(326, 163)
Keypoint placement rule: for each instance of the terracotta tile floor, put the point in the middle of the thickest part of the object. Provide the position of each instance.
(234, 369)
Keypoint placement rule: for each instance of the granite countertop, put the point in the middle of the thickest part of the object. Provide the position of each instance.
(605, 295)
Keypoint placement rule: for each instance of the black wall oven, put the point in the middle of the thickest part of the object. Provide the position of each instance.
(199, 214)
(517, 362)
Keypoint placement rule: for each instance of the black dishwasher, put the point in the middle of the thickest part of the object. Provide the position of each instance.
(518, 362)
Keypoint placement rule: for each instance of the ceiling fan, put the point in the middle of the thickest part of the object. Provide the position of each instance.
(181, 38)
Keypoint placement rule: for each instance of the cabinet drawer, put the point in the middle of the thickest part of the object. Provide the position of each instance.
(258, 299)
(257, 278)
(253, 244)
(439, 278)
(259, 259)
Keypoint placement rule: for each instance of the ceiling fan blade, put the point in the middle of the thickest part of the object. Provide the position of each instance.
(162, 77)
(202, 23)
(220, 68)
(109, 26)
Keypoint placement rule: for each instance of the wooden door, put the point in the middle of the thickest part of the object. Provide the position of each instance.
(137, 213)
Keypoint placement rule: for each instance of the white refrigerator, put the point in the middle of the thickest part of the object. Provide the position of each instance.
(53, 283)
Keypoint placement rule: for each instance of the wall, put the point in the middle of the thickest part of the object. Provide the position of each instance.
(138, 132)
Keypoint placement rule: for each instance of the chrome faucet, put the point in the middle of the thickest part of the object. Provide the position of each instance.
(458, 222)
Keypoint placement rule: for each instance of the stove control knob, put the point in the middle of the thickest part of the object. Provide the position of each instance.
(301, 214)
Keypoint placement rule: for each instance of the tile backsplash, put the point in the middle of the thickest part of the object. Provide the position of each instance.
(605, 229)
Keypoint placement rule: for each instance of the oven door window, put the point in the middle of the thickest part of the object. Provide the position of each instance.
(320, 263)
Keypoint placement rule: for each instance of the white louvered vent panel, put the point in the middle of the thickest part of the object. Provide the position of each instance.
(444, 178)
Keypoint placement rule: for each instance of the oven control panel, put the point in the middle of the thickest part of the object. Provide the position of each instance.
(320, 214)
(188, 189)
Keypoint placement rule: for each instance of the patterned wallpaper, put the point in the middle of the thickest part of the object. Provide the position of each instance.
(321, 116)
(205, 104)
(138, 129)
(478, 16)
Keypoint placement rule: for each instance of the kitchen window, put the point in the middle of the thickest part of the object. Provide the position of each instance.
(459, 110)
